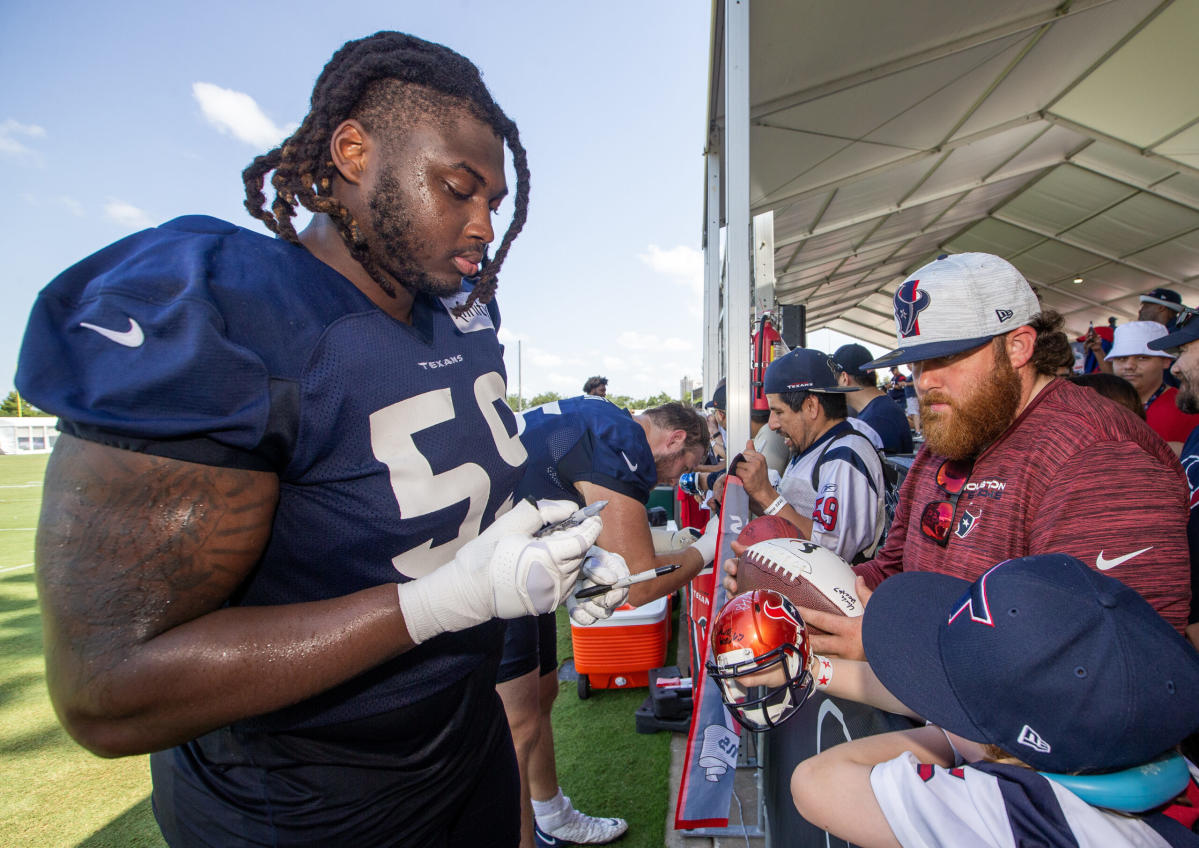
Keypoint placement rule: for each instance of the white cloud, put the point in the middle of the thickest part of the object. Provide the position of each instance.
(236, 113)
(126, 214)
(41, 201)
(679, 261)
(72, 205)
(682, 263)
(540, 358)
(508, 338)
(11, 133)
(684, 266)
(648, 342)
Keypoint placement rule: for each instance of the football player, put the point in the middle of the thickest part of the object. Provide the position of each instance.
(278, 529)
(587, 450)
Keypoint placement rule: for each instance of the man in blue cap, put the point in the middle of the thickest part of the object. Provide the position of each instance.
(868, 404)
(832, 489)
(1161, 305)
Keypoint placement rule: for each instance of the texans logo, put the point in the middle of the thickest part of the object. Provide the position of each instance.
(976, 603)
(782, 611)
(969, 520)
(909, 303)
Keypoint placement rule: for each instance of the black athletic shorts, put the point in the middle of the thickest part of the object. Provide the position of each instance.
(408, 777)
(530, 642)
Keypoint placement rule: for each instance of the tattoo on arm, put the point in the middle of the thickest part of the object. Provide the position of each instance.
(130, 545)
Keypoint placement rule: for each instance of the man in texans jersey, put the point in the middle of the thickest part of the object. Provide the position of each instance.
(278, 529)
(833, 487)
(586, 449)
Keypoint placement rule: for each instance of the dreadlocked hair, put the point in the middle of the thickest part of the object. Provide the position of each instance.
(384, 81)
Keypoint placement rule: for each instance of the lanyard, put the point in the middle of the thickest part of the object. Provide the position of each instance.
(1155, 396)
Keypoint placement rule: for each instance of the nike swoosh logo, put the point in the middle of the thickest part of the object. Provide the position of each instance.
(631, 466)
(1104, 564)
(133, 337)
(544, 840)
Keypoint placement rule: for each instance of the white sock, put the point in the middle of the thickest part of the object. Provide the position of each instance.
(548, 813)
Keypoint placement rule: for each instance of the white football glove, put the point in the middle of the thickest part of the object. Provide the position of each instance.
(669, 541)
(600, 566)
(504, 573)
(706, 544)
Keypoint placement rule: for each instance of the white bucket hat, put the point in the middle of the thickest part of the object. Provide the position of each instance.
(1132, 339)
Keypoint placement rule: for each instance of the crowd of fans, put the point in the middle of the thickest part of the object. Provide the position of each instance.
(1018, 470)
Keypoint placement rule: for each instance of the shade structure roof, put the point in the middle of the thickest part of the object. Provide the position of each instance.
(1061, 136)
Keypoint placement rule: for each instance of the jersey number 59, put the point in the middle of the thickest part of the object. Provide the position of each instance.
(418, 491)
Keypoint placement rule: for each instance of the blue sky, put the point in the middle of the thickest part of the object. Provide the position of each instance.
(118, 116)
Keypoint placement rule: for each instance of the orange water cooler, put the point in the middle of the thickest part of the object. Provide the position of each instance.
(618, 652)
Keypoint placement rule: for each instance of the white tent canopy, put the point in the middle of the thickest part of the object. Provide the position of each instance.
(1063, 137)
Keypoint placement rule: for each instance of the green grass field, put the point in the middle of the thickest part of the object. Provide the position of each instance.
(57, 794)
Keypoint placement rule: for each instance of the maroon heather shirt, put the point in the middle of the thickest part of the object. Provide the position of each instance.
(1075, 473)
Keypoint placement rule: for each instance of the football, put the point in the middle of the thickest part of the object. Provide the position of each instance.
(766, 527)
(807, 574)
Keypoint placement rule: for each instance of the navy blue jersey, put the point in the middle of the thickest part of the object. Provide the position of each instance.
(585, 438)
(393, 443)
(889, 421)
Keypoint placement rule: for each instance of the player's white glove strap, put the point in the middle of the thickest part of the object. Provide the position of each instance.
(706, 544)
(600, 566)
(822, 671)
(504, 573)
(669, 541)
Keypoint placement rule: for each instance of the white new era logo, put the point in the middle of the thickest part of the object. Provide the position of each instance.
(1004, 314)
(1032, 739)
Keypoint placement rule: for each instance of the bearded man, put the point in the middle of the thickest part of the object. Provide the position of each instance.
(1015, 461)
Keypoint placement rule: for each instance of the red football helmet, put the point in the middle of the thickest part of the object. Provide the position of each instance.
(760, 645)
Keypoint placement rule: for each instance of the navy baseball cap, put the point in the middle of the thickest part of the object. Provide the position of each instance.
(955, 303)
(1059, 665)
(1186, 330)
(851, 358)
(717, 401)
(803, 370)
(1164, 297)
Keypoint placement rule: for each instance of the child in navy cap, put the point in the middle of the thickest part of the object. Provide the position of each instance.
(1048, 678)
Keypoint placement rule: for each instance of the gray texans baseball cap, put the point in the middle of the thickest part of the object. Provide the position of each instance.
(955, 303)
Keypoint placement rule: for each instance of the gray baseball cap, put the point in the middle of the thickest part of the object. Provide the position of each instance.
(955, 303)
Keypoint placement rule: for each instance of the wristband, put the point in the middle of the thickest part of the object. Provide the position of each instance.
(822, 671)
(776, 506)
